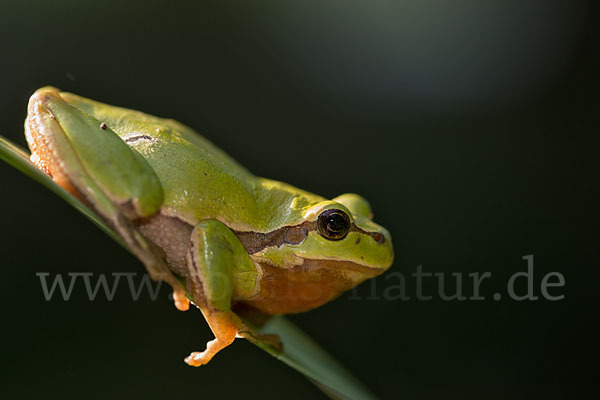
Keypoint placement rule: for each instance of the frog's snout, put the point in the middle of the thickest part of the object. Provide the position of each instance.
(385, 237)
(384, 241)
(379, 237)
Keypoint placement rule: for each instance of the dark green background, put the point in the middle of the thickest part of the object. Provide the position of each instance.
(472, 128)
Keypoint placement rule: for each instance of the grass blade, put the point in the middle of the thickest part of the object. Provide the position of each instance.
(18, 158)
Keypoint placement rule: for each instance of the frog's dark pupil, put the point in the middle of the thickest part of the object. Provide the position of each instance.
(334, 224)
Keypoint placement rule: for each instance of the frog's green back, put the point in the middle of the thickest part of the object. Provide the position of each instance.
(199, 180)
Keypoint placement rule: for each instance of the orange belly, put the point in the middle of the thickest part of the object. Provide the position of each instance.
(307, 286)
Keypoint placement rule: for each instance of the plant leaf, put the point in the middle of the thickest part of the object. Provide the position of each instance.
(300, 351)
(18, 158)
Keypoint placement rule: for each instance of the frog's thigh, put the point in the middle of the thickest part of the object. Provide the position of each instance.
(213, 252)
(93, 163)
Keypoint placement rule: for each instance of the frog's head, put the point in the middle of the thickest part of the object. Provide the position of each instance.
(344, 231)
(334, 247)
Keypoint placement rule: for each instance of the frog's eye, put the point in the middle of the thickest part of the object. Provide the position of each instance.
(333, 224)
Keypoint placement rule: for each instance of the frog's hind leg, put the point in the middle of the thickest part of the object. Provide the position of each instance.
(225, 326)
(93, 163)
(214, 252)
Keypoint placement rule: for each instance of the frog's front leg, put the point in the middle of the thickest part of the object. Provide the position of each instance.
(216, 255)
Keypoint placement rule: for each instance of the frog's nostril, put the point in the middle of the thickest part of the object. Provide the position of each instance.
(379, 238)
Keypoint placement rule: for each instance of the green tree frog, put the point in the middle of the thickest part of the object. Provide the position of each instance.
(198, 220)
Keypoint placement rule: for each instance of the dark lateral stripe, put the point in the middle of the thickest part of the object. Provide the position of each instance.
(254, 242)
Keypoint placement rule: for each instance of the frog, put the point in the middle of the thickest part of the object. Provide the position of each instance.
(222, 238)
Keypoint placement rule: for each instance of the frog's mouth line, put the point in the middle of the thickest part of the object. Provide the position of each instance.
(367, 272)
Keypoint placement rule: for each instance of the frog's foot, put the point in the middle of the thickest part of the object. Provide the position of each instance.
(182, 303)
(271, 340)
(196, 358)
(225, 325)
